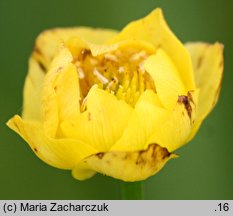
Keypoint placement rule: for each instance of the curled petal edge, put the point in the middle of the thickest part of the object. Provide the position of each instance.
(126, 166)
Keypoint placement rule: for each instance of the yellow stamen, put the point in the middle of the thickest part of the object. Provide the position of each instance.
(119, 72)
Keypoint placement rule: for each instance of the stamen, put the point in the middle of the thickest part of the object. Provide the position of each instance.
(120, 72)
(137, 56)
(80, 73)
(121, 69)
(111, 57)
(141, 67)
(113, 85)
(101, 78)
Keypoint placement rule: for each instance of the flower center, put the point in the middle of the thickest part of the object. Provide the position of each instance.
(119, 72)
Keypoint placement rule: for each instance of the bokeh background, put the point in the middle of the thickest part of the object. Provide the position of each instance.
(204, 169)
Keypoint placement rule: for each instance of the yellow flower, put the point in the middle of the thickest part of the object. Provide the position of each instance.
(96, 100)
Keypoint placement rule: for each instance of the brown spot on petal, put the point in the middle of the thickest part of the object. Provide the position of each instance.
(154, 153)
(42, 67)
(130, 165)
(16, 125)
(190, 97)
(183, 99)
(151, 154)
(140, 159)
(89, 116)
(37, 50)
(221, 63)
(59, 69)
(84, 53)
(186, 101)
(158, 152)
(114, 155)
(199, 62)
(165, 153)
(55, 88)
(217, 92)
(159, 46)
(35, 149)
(126, 156)
(100, 155)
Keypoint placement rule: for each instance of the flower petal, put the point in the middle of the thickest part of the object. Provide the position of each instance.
(49, 41)
(149, 96)
(145, 119)
(103, 123)
(60, 153)
(176, 129)
(32, 91)
(66, 87)
(154, 29)
(208, 69)
(59, 98)
(167, 80)
(126, 166)
(97, 49)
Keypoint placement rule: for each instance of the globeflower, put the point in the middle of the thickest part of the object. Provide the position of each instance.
(116, 103)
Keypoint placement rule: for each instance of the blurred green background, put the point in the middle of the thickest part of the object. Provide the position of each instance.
(204, 169)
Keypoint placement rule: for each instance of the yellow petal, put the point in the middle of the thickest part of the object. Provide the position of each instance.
(208, 69)
(196, 126)
(102, 49)
(66, 87)
(166, 77)
(60, 153)
(50, 99)
(32, 91)
(149, 96)
(97, 49)
(145, 119)
(126, 166)
(154, 29)
(92, 35)
(103, 122)
(76, 45)
(175, 131)
(48, 41)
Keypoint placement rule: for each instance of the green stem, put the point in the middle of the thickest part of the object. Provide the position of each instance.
(131, 190)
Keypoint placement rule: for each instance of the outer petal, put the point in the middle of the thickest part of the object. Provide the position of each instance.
(102, 124)
(32, 91)
(127, 166)
(66, 87)
(166, 77)
(208, 68)
(154, 29)
(60, 153)
(60, 95)
(145, 119)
